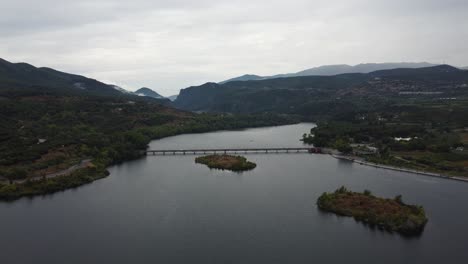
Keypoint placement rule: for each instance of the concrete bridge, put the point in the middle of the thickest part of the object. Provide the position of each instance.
(231, 151)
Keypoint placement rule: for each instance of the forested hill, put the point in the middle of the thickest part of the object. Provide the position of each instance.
(326, 95)
(148, 92)
(22, 79)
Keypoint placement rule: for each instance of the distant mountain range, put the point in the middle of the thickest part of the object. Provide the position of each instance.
(321, 95)
(173, 97)
(148, 92)
(328, 70)
(26, 79)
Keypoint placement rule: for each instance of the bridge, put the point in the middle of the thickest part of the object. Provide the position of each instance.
(231, 151)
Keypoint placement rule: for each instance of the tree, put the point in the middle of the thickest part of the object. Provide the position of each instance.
(14, 174)
(343, 146)
(399, 199)
(342, 189)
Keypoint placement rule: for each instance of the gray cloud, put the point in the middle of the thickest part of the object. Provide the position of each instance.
(168, 45)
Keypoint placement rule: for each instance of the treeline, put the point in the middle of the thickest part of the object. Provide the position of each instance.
(40, 134)
(394, 136)
(402, 136)
(127, 145)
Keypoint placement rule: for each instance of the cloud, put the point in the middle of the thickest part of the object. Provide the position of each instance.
(169, 45)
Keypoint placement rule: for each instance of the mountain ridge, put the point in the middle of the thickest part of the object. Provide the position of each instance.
(17, 76)
(25, 79)
(173, 97)
(335, 69)
(145, 91)
(312, 94)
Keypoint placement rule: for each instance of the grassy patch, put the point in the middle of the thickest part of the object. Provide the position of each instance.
(447, 163)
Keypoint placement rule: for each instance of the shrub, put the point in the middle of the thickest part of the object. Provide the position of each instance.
(399, 199)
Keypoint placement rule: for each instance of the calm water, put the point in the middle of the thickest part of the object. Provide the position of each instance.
(165, 209)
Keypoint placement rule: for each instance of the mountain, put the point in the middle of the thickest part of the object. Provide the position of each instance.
(360, 68)
(464, 68)
(328, 70)
(148, 92)
(246, 77)
(307, 95)
(173, 97)
(21, 79)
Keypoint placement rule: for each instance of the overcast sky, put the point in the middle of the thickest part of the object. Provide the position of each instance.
(171, 44)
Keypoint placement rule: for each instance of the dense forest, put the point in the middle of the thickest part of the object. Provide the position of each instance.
(429, 135)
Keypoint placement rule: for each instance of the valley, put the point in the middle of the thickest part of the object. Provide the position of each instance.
(51, 123)
(240, 132)
(81, 148)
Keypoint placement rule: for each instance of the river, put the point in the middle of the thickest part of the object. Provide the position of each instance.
(167, 209)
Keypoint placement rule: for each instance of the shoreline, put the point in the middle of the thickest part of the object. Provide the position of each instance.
(9, 192)
(387, 167)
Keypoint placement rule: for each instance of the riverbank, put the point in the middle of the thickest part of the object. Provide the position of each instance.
(9, 192)
(387, 167)
(102, 159)
(86, 163)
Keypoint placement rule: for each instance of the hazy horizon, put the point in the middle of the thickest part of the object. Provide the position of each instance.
(171, 45)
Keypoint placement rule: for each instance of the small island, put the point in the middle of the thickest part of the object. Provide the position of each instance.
(226, 162)
(389, 214)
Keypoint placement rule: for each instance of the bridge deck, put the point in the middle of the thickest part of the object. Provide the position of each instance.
(231, 150)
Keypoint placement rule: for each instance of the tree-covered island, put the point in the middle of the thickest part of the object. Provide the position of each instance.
(390, 214)
(226, 162)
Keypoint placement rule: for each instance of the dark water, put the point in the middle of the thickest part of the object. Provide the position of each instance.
(171, 210)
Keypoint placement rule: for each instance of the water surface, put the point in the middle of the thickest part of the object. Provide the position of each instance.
(166, 209)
